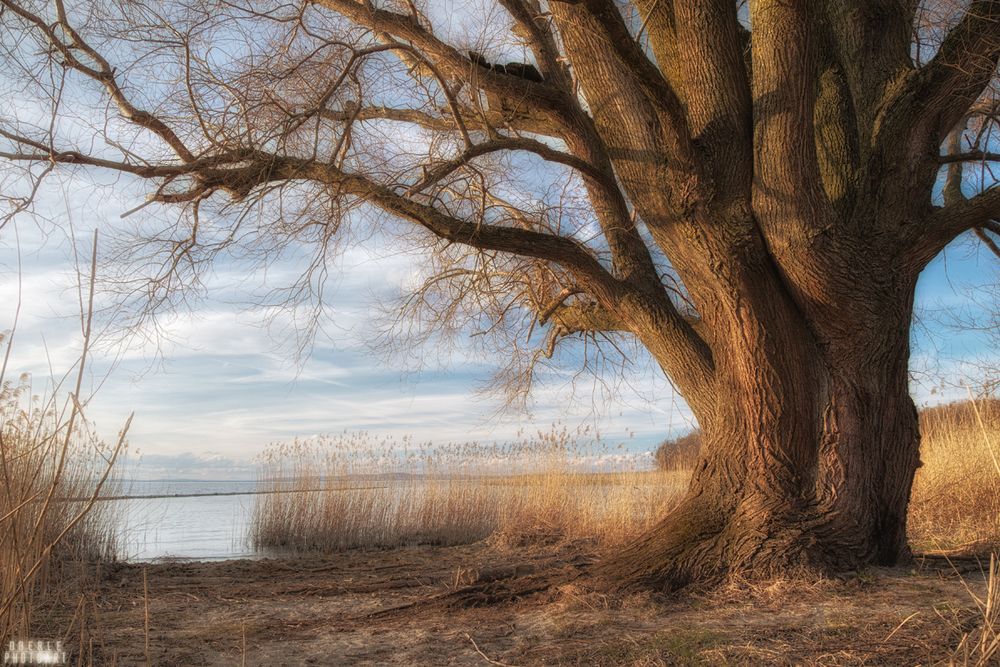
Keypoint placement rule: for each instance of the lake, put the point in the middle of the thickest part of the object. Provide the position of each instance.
(202, 528)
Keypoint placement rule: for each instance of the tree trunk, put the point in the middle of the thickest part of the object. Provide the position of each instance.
(808, 455)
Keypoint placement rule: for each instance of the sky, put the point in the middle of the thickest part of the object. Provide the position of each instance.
(222, 382)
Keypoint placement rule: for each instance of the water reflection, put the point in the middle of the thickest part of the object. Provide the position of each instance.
(202, 528)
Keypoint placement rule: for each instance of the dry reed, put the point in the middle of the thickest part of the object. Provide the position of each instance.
(967, 471)
(980, 646)
(956, 493)
(49, 474)
(53, 468)
(355, 491)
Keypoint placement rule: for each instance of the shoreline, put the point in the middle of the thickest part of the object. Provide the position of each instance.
(405, 606)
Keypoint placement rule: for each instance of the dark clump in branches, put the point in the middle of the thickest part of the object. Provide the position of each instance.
(521, 70)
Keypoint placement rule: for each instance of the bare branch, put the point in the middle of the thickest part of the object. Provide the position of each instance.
(987, 241)
(966, 62)
(535, 28)
(969, 156)
(959, 214)
(530, 94)
(948, 222)
(511, 144)
(103, 73)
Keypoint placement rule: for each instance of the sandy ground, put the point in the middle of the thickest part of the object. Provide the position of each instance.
(386, 608)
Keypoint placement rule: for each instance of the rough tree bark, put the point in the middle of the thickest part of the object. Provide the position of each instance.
(809, 455)
(782, 156)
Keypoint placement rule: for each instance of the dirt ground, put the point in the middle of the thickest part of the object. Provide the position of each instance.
(386, 608)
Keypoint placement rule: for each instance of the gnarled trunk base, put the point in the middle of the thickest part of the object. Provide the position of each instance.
(695, 544)
(754, 513)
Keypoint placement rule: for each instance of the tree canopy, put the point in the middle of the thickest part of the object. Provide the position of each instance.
(747, 190)
(556, 190)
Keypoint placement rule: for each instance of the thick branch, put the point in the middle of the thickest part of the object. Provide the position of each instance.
(946, 87)
(535, 28)
(968, 213)
(631, 54)
(946, 223)
(871, 41)
(530, 94)
(713, 83)
(987, 241)
(635, 112)
(445, 122)
(959, 214)
(969, 156)
(788, 195)
(659, 28)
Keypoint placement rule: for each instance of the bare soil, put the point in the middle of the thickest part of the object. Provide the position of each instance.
(414, 606)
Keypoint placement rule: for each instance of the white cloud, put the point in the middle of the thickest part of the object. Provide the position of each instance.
(222, 383)
(227, 384)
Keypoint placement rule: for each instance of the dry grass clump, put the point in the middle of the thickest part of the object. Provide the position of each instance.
(956, 493)
(980, 646)
(52, 467)
(355, 491)
(956, 507)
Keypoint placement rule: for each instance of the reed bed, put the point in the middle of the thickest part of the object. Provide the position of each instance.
(956, 493)
(52, 467)
(353, 491)
(357, 491)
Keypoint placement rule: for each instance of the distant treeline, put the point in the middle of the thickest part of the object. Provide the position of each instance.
(681, 453)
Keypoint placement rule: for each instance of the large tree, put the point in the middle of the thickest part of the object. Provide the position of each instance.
(747, 190)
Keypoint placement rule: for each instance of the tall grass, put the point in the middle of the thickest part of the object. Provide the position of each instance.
(980, 646)
(53, 468)
(355, 491)
(50, 473)
(957, 507)
(956, 493)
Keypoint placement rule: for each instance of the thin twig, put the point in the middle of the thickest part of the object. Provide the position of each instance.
(485, 657)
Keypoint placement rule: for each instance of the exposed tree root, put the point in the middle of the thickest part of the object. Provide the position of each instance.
(499, 586)
(702, 546)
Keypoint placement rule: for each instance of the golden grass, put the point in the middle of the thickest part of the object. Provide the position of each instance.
(956, 493)
(957, 504)
(48, 455)
(385, 493)
(980, 646)
(354, 491)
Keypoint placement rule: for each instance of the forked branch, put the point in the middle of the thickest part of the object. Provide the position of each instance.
(942, 91)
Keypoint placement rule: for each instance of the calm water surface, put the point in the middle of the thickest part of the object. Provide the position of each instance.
(199, 528)
(202, 528)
